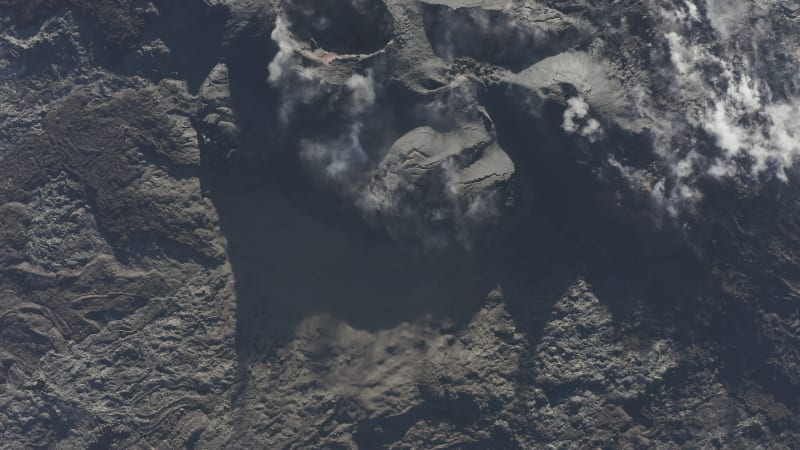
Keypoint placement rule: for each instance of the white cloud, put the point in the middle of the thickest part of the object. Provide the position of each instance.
(744, 118)
(337, 159)
(285, 60)
(342, 159)
(576, 121)
(576, 108)
(694, 14)
(362, 92)
(731, 18)
(720, 88)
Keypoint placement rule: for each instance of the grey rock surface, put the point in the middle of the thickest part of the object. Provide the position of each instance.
(399, 224)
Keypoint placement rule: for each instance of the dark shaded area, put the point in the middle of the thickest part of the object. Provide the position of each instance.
(184, 27)
(297, 250)
(247, 54)
(595, 229)
(461, 410)
(289, 264)
(611, 251)
(194, 33)
(757, 227)
(582, 216)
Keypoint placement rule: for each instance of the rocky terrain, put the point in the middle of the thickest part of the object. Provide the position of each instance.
(421, 224)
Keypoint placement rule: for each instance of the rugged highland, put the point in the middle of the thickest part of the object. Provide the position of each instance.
(399, 224)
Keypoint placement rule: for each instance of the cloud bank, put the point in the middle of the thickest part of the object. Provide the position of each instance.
(731, 110)
(576, 120)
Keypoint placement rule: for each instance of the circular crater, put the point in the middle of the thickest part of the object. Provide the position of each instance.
(343, 26)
